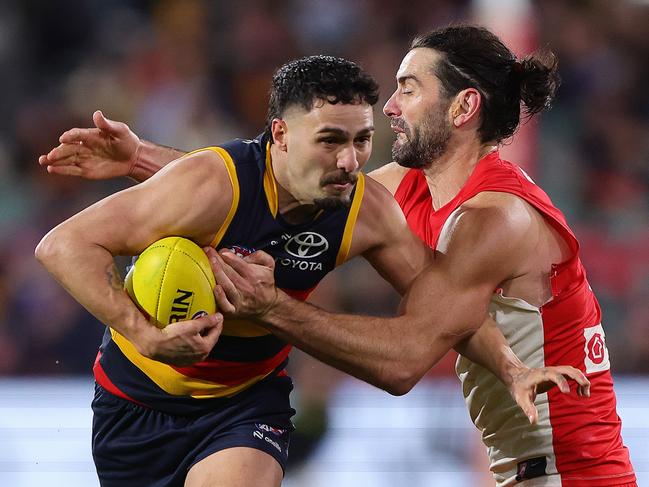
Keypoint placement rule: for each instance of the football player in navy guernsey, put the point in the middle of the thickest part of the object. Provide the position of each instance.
(206, 401)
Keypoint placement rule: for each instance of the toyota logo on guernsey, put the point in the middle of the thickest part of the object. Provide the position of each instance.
(306, 245)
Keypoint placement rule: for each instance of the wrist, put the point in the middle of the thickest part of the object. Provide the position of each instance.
(275, 309)
(143, 165)
(512, 367)
(146, 339)
(137, 329)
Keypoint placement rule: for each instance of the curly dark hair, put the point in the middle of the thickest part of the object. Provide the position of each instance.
(472, 56)
(304, 81)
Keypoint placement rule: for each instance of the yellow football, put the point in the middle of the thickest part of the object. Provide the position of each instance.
(172, 281)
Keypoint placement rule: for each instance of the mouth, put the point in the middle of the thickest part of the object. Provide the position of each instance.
(398, 126)
(338, 182)
(340, 187)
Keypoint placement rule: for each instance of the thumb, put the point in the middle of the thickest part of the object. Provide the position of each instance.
(105, 124)
(261, 258)
(201, 325)
(210, 321)
(212, 334)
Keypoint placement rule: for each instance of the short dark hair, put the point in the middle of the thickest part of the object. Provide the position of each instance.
(473, 56)
(304, 81)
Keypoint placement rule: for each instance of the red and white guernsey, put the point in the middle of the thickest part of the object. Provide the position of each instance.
(577, 440)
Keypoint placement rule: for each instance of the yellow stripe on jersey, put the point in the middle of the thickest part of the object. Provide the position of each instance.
(270, 186)
(234, 180)
(173, 382)
(346, 242)
(232, 174)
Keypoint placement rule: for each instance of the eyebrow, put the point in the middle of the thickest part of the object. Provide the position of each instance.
(403, 79)
(344, 133)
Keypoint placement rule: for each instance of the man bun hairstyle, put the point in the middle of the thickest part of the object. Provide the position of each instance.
(305, 81)
(539, 81)
(473, 57)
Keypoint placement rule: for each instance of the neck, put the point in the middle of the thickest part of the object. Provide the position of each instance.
(448, 174)
(288, 206)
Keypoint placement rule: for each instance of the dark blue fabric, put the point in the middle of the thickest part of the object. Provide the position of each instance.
(255, 228)
(134, 446)
(303, 254)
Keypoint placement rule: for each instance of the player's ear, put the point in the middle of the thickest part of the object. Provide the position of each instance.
(466, 106)
(279, 130)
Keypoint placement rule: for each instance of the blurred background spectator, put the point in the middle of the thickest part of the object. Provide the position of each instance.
(191, 73)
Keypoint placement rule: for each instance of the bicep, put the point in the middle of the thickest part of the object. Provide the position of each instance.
(443, 302)
(482, 248)
(400, 259)
(179, 200)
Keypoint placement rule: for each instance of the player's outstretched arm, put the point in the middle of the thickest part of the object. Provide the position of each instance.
(366, 347)
(389, 245)
(445, 305)
(108, 150)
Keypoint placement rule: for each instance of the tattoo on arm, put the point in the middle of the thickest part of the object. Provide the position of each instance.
(114, 278)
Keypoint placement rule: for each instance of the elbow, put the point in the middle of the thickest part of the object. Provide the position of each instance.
(401, 380)
(403, 373)
(49, 248)
(400, 389)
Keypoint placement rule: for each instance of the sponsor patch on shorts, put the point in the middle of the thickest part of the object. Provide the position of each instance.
(596, 358)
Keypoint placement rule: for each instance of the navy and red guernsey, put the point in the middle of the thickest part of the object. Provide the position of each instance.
(245, 353)
(577, 441)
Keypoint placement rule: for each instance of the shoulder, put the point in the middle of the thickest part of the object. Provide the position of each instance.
(381, 235)
(380, 219)
(200, 176)
(389, 176)
(492, 207)
(201, 165)
(503, 216)
(191, 197)
(493, 232)
(378, 206)
(244, 151)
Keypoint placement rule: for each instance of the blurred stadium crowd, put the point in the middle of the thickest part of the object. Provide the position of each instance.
(191, 73)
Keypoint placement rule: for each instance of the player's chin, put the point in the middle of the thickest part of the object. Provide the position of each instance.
(331, 202)
(399, 143)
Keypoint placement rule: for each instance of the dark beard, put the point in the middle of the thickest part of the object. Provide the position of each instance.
(425, 144)
(332, 204)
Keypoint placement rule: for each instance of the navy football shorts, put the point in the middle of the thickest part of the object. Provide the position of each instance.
(134, 446)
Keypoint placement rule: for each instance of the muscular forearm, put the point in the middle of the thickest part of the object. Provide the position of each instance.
(489, 348)
(89, 274)
(151, 158)
(382, 351)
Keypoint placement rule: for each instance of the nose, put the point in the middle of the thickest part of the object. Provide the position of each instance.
(347, 159)
(391, 109)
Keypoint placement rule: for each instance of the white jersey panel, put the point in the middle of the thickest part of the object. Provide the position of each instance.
(505, 429)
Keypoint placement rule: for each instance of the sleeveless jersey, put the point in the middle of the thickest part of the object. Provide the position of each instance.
(577, 440)
(245, 353)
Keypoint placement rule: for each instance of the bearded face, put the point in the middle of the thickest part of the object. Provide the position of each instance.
(420, 144)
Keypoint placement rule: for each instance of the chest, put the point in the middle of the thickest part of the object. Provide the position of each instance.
(303, 254)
